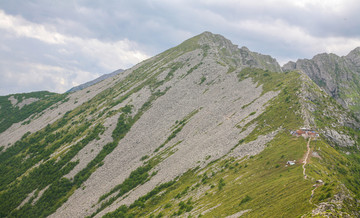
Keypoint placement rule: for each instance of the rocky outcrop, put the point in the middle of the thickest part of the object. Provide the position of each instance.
(338, 76)
(239, 57)
(314, 99)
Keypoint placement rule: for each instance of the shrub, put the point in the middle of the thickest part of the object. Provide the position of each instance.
(203, 78)
(167, 205)
(144, 157)
(221, 184)
(245, 199)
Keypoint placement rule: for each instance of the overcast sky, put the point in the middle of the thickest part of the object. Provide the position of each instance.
(57, 44)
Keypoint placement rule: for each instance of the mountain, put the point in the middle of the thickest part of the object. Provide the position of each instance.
(202, 129)
(338, 76)
(92, 82)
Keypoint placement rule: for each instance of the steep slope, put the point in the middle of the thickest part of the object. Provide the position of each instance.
(262, 184)
(339, 76)
(92, 82)
(203, 128)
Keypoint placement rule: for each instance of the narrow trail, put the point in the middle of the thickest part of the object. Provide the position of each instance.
(304, 169)
(306, 158)
(312, 195)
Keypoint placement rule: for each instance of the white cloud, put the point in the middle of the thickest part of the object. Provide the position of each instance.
(328, 5)
(22, 28)
(111, 55)
(281, 31)
(41, 77)
(284, 29)
(69, 55)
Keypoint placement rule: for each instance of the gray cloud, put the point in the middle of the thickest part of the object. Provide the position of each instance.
(57, 44)
(32, 53)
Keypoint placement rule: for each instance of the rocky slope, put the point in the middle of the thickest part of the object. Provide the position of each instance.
(200, 129)
(338, 76)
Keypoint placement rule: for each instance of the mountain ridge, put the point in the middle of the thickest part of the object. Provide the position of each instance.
(338, 76)
(203, 128)
(92, 82)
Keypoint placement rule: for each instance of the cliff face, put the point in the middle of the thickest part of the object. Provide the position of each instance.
(202, 128)
(338, 76)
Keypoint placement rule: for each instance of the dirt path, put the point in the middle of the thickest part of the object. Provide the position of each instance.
(304, 169)
(312, 195)
(306, 158)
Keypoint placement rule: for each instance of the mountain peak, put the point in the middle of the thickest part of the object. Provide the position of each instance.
(217, 46)
(216, 40)
(354, 56)
(357, 49)
(207, 33)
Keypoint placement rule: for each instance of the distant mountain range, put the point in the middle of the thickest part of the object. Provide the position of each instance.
(92, 82)
(203, 129)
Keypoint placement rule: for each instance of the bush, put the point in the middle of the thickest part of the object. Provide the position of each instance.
(221, 184)
(167, 205)
(144, 157)
(203, 78)
(247, 198)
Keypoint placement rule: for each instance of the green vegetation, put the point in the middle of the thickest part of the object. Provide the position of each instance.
(234, 196)
(245, 199)
(124, 211)
(10, 114)
(49, 173)
(271, 81)
(55, 137)
(175, 66)
(193, 68)
(202, 80)
(221, 184)
(282, 110)
(177, 128)
(184, 207)
(246, 105)
(137, 177)
(144, 157)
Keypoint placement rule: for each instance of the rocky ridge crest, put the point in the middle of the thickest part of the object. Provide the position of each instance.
(338, 76)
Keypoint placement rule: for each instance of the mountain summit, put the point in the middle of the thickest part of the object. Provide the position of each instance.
(202, 129)
(240, 58)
